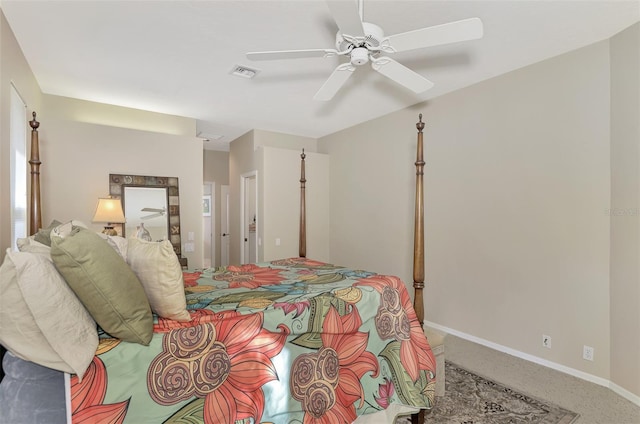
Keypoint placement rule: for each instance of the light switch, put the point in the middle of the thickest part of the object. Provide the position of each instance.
(191, 236)
(277, 242)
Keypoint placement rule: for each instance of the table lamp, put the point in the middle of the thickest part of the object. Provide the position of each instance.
(109, 211)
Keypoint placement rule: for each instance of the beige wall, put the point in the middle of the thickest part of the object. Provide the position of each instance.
(13, 69)
(241, 161)
(216, 170)
(516, 183)
(625, 209)
(116, 116)
(284, 141)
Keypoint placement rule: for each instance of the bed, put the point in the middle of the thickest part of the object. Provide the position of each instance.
(286, 341)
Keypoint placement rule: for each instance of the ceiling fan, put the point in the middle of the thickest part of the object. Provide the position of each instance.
(364, 42)
(157, 212)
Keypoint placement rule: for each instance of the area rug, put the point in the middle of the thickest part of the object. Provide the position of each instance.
(472, 399)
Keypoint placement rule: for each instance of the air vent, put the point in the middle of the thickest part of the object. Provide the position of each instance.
(209, 137)
(244, 71)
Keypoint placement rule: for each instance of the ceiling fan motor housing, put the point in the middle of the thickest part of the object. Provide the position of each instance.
(373, 36)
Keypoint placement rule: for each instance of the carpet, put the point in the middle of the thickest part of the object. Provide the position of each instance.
(472, 399)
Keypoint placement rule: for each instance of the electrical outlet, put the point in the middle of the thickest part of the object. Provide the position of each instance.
(546, 341)
(587, 353)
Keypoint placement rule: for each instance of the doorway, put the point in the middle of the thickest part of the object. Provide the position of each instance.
(208, 224)
(225, 237)
(249, 217)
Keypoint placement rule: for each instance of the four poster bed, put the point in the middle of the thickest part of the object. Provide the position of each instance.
(286, 341)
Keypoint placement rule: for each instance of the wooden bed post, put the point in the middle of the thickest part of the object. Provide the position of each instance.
(418, 245)
(35, 215)
(418, 235)
(302, 245)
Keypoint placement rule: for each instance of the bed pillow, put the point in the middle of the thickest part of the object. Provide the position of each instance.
(159, 271)
(118, 243)
(43, 234)
(41, 319)
(29, 244)
(105, 284)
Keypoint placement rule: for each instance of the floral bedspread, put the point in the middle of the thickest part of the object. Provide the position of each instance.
(289, 341)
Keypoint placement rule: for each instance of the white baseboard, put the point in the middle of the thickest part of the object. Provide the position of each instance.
(540, 361)
(631, 397)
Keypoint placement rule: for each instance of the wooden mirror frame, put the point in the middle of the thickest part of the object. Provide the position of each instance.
(117, 183)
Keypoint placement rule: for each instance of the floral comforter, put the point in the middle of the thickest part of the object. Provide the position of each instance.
(288, 341)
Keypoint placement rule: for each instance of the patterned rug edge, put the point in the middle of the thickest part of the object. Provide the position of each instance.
(569, 417)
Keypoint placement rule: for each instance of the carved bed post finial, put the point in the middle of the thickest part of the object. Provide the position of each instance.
(302, 245)
(35, 209)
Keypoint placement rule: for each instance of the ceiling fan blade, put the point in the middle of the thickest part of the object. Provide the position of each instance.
(337, 79)
(152, 210)
(452, 32)
(401, 74)
(153, 215)
(346, 15)
(291, 54)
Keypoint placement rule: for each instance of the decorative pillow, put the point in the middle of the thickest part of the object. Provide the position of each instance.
(105, 284)
(159, 271)
(43, 234)
(41, 319)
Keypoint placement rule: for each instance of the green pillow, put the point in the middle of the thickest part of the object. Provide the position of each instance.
(105, 284)
(43, 234)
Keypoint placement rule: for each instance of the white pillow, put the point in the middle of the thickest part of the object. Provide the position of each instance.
(63, 230)
(30, 245)
(158, 269)
(41, 319)
(118, 243)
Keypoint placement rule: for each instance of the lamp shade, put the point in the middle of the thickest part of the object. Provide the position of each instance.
(109, 210)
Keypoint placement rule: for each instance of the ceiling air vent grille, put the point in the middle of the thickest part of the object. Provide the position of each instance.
(244, 71)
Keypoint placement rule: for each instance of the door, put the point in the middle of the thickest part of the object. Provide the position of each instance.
(224, 226)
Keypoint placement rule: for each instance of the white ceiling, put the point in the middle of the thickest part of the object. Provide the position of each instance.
(175, 57)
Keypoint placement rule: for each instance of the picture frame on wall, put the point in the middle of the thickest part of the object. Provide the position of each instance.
(206, 205)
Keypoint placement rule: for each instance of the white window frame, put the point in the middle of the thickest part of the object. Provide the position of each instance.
(18, 166)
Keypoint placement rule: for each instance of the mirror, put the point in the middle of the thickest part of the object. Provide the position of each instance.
(146, 213)
(151, 206)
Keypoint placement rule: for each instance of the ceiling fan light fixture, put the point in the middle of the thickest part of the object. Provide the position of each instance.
(359, 56)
